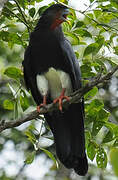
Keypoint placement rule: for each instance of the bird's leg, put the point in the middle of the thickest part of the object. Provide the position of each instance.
(43, 104)
(60, 99)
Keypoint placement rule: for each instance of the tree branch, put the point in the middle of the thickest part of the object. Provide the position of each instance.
(20, 19)
(23, 15)
(75, 97)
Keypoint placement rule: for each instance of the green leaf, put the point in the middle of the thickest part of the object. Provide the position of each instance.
(115, 130)
(90, 15)
(114, 60)
(97, 66)
(91, 93)
(116, 143)
(114, 3)
(32, 12)
(82, 32)
(32, 127)
(97, 13)
(13, 72)
(77, 54)
(91, 151)
(87, 137)
(73, 38)
(108, 137)
(11, 37)
(87, 70)
(80, 24)
(114, 160)
(101, 158)
(8, 104)
(50, 155)
(31, 136)
(23, 3)
(2, 19)
(103, 115)
(100, 40)
(8, 9)
(30, 157)
(64, 1)
(24, 102)
(96, 105)
(92, 48)
(97, 125)
(111, 126)
(4, 35)
(90, 117)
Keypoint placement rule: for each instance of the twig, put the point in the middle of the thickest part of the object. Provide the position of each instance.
(23, 16)
(76, 97)
(15, 15)
(91, 4)
(83, 12)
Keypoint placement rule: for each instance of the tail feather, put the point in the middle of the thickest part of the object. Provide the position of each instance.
(81, 166)
(68, 130)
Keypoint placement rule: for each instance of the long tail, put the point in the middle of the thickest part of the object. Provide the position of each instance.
(68, 130)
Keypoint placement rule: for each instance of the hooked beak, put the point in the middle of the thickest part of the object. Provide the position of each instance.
(65, 13)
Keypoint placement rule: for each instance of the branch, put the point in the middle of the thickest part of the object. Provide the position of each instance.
(75, 97)
(23, 15)
(20, 19)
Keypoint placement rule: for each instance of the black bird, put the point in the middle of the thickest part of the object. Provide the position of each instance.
(52, 73)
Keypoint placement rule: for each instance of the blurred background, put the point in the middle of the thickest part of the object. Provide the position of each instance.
(27, 152)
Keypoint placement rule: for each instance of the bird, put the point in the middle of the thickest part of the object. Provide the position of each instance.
(52, 73)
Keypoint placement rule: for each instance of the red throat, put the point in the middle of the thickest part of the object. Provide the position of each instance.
(56, 23)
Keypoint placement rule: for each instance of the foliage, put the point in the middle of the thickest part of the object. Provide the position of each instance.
(93, 37)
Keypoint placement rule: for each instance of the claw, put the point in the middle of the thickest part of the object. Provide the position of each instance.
(42, 105)
(60, 99)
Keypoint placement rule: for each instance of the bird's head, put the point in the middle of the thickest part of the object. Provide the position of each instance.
(55, 15)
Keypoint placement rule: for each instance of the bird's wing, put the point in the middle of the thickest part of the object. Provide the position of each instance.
(73, 63)
(30, 75)
(26, 67)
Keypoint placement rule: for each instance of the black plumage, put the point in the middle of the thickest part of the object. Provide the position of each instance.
(48, 48)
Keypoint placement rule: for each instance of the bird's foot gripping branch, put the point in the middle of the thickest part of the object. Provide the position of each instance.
(60, 99)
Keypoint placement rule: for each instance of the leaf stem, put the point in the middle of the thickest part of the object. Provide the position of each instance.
(23, 15)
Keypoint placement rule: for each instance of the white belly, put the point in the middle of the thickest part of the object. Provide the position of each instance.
(54, 81)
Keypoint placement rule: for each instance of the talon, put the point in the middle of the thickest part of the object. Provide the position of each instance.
(42, 105)
(60, 99)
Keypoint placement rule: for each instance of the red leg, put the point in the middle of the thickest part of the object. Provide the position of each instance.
(60, 99)
(43, 104)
